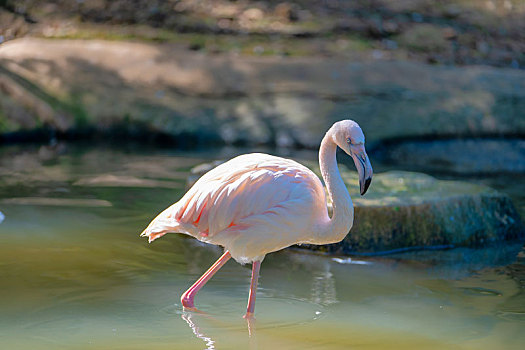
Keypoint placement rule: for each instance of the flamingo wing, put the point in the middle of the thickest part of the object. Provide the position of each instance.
(247, 201)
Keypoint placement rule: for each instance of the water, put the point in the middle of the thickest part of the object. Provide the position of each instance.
(75, 275)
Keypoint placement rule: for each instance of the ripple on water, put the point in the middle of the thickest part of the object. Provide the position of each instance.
(481, 291)
(511, 315)
(271, 312)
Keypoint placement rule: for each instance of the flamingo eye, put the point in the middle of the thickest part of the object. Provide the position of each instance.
(349, 141)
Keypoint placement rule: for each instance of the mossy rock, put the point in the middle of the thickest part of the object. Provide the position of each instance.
(406, 210)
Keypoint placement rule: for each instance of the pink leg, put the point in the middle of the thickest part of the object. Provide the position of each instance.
(253, 288)
(189, 295)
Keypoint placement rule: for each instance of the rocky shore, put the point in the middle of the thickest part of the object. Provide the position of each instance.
(147, 90)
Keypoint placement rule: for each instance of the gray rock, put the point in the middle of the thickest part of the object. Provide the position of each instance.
(474, 156)
(409, 211)
(100, 86)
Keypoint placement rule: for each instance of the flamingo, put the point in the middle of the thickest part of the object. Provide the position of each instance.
(257, 203)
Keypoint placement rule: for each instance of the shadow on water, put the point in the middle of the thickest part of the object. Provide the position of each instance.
(75, 274)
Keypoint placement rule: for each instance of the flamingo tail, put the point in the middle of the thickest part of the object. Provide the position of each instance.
(161, 225)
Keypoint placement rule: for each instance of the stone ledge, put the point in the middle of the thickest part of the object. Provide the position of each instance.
(159, 88)
(405, 210)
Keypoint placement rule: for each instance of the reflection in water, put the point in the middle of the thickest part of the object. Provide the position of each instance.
(193, 320)
(323, 286)
(188, 317)
(351, 261)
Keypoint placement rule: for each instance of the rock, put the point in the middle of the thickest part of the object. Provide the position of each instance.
(452, 11)
(405, 211)
(110, 180)
(12, 25)
(449, 33)
(391, 27)
(30, 108)
(287, 11)
(252, 14)
(470, 156)
(101, 86)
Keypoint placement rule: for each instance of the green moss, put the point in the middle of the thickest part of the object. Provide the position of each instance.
(4, 122)
(69, 105)
(80, 115)
(252, 44)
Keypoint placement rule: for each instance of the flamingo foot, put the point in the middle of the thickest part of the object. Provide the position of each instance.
(187, 300)
(193, 310)
(249, 316)
(188, 304)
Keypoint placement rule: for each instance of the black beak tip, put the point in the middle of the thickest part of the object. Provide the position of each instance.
(368, 181)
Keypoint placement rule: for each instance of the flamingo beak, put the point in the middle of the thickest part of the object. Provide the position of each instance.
(364, 169)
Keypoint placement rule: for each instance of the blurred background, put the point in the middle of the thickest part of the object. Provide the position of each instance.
(108, 106)
(261, 72)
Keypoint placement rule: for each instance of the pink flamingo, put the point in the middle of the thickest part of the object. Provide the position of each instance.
(256, 204)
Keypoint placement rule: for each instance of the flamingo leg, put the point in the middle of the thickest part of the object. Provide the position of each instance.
(256, 266)
(187, 299)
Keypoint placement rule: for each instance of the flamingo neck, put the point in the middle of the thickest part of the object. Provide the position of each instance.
(343, 209)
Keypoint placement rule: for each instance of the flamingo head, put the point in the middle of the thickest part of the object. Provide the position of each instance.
(350, 138)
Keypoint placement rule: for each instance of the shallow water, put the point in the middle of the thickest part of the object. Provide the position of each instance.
(74, 274)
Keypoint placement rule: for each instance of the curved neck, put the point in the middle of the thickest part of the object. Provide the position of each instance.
(343, 210)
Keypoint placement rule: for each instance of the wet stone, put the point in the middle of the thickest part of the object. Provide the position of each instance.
(410, 211)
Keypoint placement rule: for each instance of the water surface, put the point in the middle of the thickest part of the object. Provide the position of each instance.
(74, 274)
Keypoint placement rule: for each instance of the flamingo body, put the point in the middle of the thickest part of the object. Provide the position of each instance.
(256, 204)
(252, 205)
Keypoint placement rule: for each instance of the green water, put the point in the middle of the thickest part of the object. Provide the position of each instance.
(75, 275)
